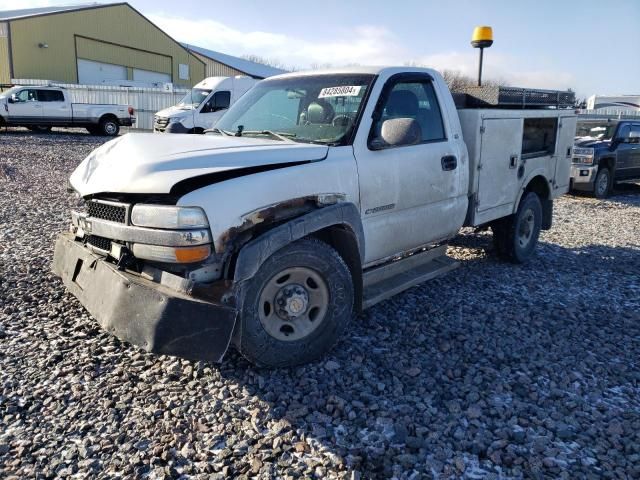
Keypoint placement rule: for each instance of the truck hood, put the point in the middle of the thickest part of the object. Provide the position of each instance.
(175, 111)
(592, 143)
(153, 163)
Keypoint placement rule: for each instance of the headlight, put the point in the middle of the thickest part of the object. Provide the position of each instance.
(176, 119)
(583, 160)
(583, 155)
(169, 217)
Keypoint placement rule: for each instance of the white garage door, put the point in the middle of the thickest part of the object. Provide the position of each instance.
(95, 73)
(150, 77)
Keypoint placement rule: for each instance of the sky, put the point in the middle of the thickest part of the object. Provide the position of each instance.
(592, 47)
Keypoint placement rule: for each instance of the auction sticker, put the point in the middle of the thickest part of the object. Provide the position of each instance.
(344, 91)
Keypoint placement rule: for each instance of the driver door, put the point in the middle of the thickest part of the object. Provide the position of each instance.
(26, 109)
(213, 109)
(624, 153)
(410, 195)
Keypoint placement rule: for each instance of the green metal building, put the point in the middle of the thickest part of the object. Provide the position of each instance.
(92, 44)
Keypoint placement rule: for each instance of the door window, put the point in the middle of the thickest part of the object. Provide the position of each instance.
(50, 96)
(219, 101)
(634, 134)
(624, 133)
(414, 99)
(27, 95)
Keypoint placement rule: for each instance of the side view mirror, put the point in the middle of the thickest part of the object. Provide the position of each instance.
(396, 132)
(12, 99)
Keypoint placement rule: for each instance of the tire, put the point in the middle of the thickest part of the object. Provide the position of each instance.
(515, 237)
(40, 129)
(296, 307)
(602, 183)
(109, 127)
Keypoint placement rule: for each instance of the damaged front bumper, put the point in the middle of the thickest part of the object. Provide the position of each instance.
(142, 312)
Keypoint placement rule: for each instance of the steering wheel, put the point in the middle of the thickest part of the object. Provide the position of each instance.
(342, 120)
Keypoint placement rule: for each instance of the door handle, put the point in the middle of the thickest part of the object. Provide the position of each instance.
(513, 161)
(449, 162)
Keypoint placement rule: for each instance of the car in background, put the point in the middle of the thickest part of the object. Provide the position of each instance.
(605, 153)
(41, 107)
(202, 106)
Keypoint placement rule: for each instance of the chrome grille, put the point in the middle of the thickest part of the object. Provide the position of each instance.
(108, 211)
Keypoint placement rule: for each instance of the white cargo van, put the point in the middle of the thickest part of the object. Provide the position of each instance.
(203, 105)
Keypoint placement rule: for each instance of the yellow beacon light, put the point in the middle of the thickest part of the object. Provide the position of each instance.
(482, 38)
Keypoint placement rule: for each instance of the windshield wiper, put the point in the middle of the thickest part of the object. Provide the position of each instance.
(284, 136)
(218, 130)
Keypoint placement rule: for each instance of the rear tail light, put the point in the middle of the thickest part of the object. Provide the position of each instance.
(131, 111)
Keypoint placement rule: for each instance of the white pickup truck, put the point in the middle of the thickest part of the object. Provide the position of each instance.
(317, 195)
(40, 108)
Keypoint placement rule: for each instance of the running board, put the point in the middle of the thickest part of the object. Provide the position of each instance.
(385, 281)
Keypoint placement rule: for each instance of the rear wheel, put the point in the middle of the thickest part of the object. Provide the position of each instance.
(297, 305)
(602, 184)
(109, 127)
(515, 237)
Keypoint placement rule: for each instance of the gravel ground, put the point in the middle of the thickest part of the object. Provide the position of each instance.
(494, 371)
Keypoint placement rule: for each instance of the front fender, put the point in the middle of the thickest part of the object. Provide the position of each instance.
(255, 252)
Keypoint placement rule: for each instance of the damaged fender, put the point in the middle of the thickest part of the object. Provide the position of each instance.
(255, 252)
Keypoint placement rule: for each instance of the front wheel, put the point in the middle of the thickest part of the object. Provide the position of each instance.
(602, 184)
(297, 305)
(516, 236)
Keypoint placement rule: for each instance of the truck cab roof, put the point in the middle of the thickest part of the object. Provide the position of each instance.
(358, 70)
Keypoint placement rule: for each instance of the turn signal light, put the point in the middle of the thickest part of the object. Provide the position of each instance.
(192, 254)
(131, 111)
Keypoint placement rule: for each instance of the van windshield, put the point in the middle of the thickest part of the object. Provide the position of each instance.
(194, 98)
(321, 108)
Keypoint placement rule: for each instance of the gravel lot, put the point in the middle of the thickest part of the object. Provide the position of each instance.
(495, 371)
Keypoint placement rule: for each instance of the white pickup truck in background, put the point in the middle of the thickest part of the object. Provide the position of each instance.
(316, 195)
(40, 108)
(203, 106)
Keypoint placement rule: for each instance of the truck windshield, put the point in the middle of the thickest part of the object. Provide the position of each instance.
(321, 108)
(194, 98)
(11, 91)
(601, 132)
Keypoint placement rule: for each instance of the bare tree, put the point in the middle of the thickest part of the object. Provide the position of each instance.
(456, 79)
(270, 62)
